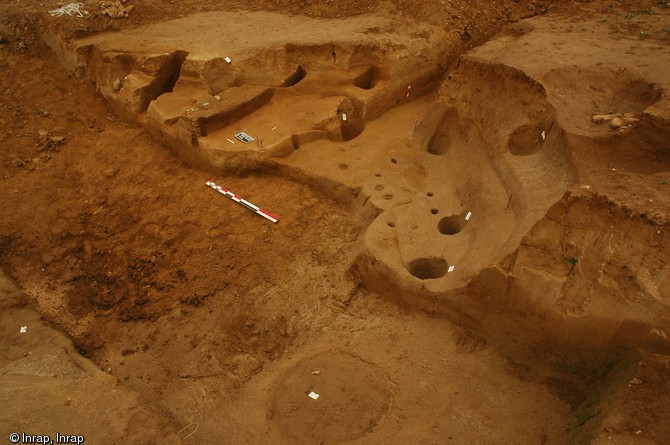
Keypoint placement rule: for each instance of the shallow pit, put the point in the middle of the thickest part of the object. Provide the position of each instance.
(451, 225)
(428, 268)
(368, 79)
(526, 140)
(295, 77)
(441, 141)
(359, 403)
(295, 141)
(439, 144)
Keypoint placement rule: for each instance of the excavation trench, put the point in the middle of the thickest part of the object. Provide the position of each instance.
(473, 216)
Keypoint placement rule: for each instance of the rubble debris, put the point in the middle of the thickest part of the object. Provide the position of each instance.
(72, 9)
(616, 121)
(42, 136)
(47, 141)
(116, 10)
(600, 118)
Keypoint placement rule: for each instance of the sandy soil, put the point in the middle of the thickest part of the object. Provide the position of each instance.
(159, 311)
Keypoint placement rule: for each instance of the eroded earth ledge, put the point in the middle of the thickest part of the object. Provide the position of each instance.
(289, 82)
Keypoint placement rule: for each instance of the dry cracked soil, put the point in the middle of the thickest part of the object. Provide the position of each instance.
(471, 246)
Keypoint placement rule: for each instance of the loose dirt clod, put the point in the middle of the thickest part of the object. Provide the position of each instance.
(42, 136)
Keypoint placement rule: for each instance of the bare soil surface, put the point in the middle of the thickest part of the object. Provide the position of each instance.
(467, 250)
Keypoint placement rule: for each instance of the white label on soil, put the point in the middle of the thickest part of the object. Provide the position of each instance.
(242, 136)
(227, 59)
(313, 395)
(23, 329)
(468, 216)
(344, 117)
(451, 268)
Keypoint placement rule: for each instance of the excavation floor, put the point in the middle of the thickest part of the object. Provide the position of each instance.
(146, 295)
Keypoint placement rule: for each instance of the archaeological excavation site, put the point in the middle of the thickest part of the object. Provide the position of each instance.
(335, 222)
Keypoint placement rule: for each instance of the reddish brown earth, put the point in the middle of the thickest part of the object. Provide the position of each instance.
(158, 311)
